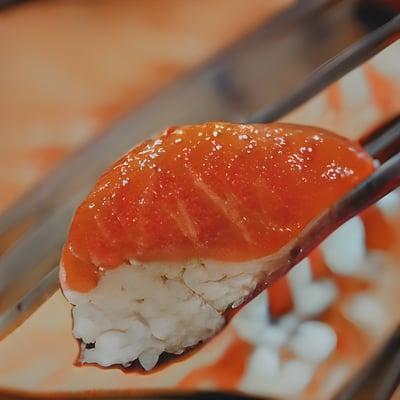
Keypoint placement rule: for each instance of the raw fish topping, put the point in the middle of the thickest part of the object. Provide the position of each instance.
(217, 190)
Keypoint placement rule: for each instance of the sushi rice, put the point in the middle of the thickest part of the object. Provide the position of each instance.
(120, 320)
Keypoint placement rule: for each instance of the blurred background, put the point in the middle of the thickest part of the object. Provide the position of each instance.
(70, 69)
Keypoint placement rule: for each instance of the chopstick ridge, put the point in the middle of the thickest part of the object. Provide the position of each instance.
(384, 141)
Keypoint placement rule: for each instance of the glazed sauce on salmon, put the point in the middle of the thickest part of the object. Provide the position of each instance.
(217, 190)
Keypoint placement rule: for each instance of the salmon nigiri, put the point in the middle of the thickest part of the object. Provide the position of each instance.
(189, 225)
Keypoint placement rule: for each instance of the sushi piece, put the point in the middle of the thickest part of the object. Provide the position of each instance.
(188, 226)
